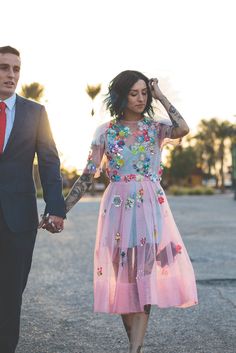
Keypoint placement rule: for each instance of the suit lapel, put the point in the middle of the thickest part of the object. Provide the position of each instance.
(20, 116)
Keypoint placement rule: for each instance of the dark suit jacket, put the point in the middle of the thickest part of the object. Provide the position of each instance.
(30, 134)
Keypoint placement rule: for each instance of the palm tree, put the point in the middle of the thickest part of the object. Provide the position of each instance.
(92, 91)
(224, 131)
(205, 145)
(211, 145)
(34, 91)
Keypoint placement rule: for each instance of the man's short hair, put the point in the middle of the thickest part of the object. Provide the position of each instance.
(9, 50)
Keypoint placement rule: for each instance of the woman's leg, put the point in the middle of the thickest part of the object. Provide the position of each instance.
(127, 321)
(136, 325)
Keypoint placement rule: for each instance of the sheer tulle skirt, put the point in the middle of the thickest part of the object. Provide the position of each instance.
(139, 255)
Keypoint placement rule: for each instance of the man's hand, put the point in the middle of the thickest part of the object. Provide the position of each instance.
(53, 224)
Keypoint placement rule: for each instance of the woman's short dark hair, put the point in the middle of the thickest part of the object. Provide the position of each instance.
(9, 50)
(118, 89)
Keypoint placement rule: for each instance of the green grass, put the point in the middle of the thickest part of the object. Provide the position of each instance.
(197, 190)
(173, 190)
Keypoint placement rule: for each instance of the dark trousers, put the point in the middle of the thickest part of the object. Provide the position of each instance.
(16, 251)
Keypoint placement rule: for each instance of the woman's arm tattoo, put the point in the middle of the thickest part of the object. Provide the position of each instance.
(174, 116)
(78, 190)
(180, 128)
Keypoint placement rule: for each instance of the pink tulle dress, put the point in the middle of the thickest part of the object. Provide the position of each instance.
(139, 256)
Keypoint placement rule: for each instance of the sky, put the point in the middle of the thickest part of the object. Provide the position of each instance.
(188, 45)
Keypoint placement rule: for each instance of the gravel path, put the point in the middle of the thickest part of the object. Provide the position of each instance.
(57, 314)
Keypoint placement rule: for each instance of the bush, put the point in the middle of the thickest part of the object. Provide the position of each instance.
(197, 190)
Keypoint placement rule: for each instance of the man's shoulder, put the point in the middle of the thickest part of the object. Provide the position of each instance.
(30, 103)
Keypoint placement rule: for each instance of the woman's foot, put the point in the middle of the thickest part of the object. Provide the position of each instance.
(133, 350)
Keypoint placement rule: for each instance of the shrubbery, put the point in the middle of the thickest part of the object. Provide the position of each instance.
(197, 190)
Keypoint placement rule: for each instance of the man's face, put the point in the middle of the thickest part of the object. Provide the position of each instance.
(9, 74)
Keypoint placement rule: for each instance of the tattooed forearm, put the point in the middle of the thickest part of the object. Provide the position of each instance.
(79, 188)
(180, 127)
(174, 116)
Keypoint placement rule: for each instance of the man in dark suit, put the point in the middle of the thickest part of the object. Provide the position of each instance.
(24, 131)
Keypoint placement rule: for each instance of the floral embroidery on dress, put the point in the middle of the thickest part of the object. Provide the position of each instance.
(142, 165)
(140, 274)
(155, 233)
(145, 139)
(91, 166)
(99, 271)
(135, 197)
(129, 203)
(178, 248)
(139, 197)
(122, 254)
(117, 236)
(117, 201)
(114, 176)
(160, 198)
(160, 171)
(143, 241)
(164, 271)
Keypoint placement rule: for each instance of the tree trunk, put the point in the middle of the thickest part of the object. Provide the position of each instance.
(221, 154)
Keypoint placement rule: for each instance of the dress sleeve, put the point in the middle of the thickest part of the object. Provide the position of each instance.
(164, 131)
(96, 152)
(91, 170)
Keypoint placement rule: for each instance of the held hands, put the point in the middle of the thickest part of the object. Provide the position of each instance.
(53, 224)
(155, 90)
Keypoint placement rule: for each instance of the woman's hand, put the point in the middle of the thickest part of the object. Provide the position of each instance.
(155, 90)
(180, 127)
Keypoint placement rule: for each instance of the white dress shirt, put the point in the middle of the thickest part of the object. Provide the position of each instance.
(10, 115)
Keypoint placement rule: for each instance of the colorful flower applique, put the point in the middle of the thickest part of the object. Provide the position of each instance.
(129, 203)
(160, 198)
(143, 241)
(122, 254)
(116, 135)
(164, 271)
(117, 236)
(114, 175)
(99, 271)
(137, 148)
(178, 248)
(117, 201)
(129, 177)
(155, 233)
(91, 166)
(140, 274)
(139, 197)
(136, 197)
(144, 145)
(142, 165)
(160, 171)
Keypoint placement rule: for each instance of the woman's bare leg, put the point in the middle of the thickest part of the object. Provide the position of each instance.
(127, 321)
(136, 325)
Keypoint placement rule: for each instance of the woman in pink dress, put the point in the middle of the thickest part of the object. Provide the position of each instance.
(140, 259)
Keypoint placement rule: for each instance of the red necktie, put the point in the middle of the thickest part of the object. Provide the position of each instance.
(3, 121)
